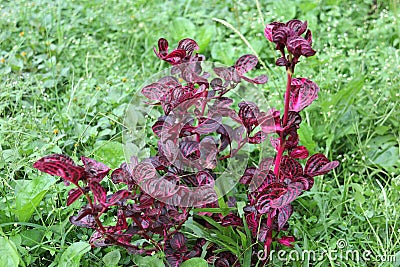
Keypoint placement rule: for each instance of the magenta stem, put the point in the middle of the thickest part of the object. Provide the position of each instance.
(282, 140)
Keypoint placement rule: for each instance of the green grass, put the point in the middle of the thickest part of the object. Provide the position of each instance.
(63, 90)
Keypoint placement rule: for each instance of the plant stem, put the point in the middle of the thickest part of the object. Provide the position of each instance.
(282, 140)
(268, 240)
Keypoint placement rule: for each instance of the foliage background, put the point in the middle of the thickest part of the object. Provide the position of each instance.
(68, 70)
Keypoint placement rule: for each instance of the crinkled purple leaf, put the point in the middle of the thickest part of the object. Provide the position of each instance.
(245, 63)
(204, 178)
(189, 147)
(121, 176)
(268, 31)
(282, 61)
(224, 73)
(299, 46)
(154, 91)
(293, 191)
(257, 80)
(308, 37)
(299, 152)
(248, 113)
(269, 121)
(117, 197)
(209, 125)
(280, 34)
(284, 214)
(290, 168)
(144, 170)
(97, 170)
(188, 45)
(263, 231)
(162, 48)
(178, 242)
(297, 26)
(318, 164)
(231, 220)
(257, 138)
(84, 218)
(248, 175)
(216, 84)
(302, 93)
(159, 188)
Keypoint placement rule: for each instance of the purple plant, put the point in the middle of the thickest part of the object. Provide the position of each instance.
(155, 197)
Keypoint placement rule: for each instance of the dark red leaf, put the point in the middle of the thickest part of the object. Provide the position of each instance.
(245, 63)
(118, 196)
(96, 169)
(204, 178)
(154, 91)
(225, 73)
(308, 37)
(284, 214)
(293, 191)
(299, 152)
(302, 93)
(297, 26)
(248, 113)
(84, 218)
(178, 242)
(231, 220)
(98, 191)
(280, 34)
(287, 241)
(209, 125)
(60, 165)
(73, 195)
(189, 147)
(188, 45)
(299, 46)
(318, 164)
(290, 168)
(258, 138)
(248, 175)
(162, 47)
(144, 170)
(121, 176)
(257, 80)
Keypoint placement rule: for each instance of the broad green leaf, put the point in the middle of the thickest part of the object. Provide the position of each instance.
(306, 134)
(73, 254)
(112, 258)
(148, 261)
(8, 253)
(195, 262)
(29, 194)
(182, 28)
(111, 153)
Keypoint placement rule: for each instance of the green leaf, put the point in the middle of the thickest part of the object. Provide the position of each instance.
(112, 258)
(224, 53)
(195, 262)
(8, 253)
(148, 261)
(73, 254)
(29, 194)
(111, 153)
(306, 134)
(183, 28)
